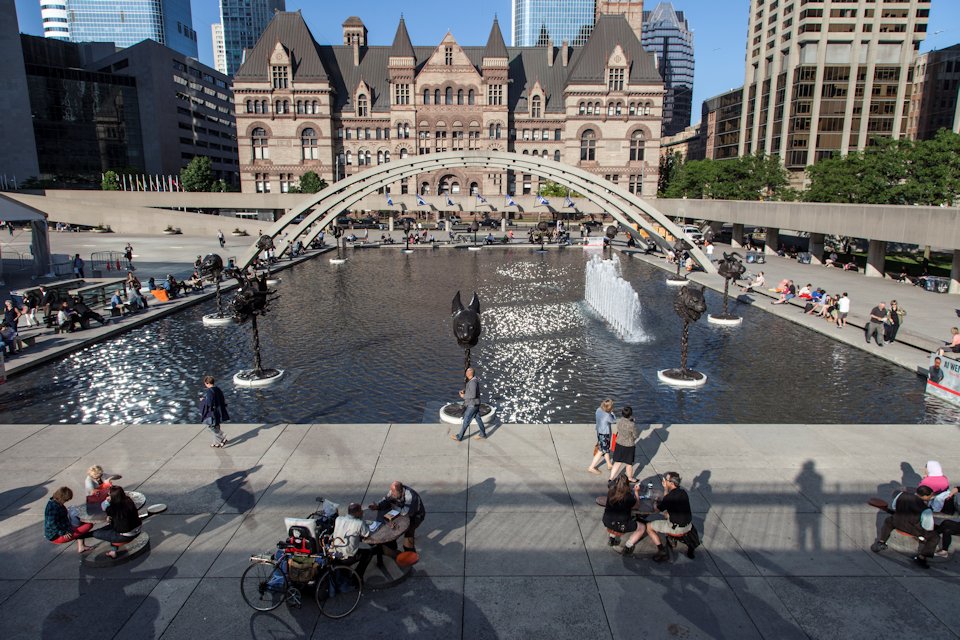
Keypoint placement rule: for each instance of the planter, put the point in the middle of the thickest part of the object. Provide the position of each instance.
(171, 232)
(240, 234)
(98, 230)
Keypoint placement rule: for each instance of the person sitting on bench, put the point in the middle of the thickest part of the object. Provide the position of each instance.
(348, 531)
(913, 516)
(124, 520)
(757, 283)
(86, 314)
(57, 527)
(67, 318)
(117, 303)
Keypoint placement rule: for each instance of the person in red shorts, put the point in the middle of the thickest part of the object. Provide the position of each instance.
(57, 527)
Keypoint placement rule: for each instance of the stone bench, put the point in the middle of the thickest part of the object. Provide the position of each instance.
(127, 551)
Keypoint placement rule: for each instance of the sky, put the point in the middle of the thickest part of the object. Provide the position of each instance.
(719, 28)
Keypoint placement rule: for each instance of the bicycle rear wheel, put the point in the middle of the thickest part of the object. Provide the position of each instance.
(338, 592)
(263, 587)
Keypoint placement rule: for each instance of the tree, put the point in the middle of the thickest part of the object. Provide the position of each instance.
(670, 165)
(310, 182)
(110, 182)
(198, 175)
(549, 188)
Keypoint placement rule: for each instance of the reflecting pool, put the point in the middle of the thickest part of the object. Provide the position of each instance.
(371, 341)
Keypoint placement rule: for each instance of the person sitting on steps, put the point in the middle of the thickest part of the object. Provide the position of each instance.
(911, 514)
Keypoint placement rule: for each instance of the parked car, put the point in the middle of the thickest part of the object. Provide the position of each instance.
(454, 219)
(693, 233)
(346, 222)
(490, 223)
(399, 222)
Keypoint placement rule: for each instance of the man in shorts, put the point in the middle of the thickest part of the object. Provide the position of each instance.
(843, 309)
(675, 504)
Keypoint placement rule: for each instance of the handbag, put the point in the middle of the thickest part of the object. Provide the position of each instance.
(613, 442)
(596, 449)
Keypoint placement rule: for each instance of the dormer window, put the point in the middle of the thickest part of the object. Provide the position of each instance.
(615, 79)
(448, 56)
(362, 106)
(535, 107)
(279, 76)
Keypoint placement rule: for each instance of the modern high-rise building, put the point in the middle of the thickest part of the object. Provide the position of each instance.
(219, 48)
(824, 78)
(935, 99)
(56, 25)
(122, 22)
(667, 35)
(535, 22)
(242, 23)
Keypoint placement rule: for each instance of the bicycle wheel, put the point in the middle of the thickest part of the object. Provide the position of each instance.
(263, 587)
(338, 592)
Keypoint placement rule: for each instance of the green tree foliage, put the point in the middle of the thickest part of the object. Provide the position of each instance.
(753, 177)
(110, 182)
(549, 188)
(925, 172)
(310, 182)
(670, 165)
(198, 175)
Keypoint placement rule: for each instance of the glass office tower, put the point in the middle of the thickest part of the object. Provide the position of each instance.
(666, 34)
(243, 21)
(127, 22)
(535, 20)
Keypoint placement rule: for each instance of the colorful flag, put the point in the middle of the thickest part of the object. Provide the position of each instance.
(481, 199)
(510, 202)
(389, 200)
(420, 201)
(449, 202)
(568, 203)
(543, 201)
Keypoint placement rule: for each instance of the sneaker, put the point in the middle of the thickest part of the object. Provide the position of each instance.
(878, 546)
(943, 553)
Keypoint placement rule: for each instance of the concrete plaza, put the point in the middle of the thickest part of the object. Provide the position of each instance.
(512, 546)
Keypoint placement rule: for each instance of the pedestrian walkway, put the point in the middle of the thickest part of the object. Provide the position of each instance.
(926, 326)
(512, 545)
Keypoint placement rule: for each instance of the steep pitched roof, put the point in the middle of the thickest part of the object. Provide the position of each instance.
(612, 30)
(353, 21)
(495, 47)
(289, 29)
(402, 47)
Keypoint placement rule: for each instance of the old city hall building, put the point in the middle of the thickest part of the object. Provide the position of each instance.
(338, 110)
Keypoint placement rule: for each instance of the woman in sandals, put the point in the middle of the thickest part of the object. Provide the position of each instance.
(213, 410)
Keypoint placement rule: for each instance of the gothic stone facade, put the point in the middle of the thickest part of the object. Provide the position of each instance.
(338, 110)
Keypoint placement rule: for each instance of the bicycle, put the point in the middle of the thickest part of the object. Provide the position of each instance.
(269, 581)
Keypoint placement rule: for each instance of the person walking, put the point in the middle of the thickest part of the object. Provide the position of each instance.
(213, 410)
(623, 452)
(471, 406)
(605, 420)
(128, 254)
(874, 328)
(843, 309)
(894, 319)
(220, 238)
(78, 266)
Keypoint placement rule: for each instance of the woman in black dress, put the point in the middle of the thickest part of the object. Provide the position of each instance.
(623, 452)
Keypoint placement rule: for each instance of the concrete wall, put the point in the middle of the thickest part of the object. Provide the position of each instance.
(935, 226)
(19, 157)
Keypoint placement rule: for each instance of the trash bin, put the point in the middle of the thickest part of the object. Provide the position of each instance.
(937, 284)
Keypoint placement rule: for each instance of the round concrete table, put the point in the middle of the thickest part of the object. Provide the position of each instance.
(91, 511)
(385, 572)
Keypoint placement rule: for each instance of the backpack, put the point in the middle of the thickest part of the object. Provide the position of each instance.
(692, 540)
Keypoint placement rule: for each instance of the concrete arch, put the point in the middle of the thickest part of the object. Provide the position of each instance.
(320, 209)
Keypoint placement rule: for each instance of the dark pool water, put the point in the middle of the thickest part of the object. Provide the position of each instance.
(371, 341)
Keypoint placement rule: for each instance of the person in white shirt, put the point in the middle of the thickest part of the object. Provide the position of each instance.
(348, 532)
(843, 308)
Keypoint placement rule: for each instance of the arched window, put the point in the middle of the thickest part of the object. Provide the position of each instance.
(299, 106)
(588, 146)
(260, 143)
(619, 108)
(316, 107)
(426, 96)
(491, 132)
(589, 108)
(636, 146)
(308, 145)
(474, 189)
(264, 105)
(633, 109)
(406, 130)
(249, 106)
(286, 106)
(498, 132)
(471, 97)
(436, 96)
(448, 96)
(379, 157)
(535, 107)
(448, 184)
(556, 156)
(583, 109)
(424, 188)
(646, 109)
(526, 152)
(362, 106)
(349, 158)
(460, 96)
(386, 157)
(403, 154)
(610, 109)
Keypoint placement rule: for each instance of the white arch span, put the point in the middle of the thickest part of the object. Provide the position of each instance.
(321, 209)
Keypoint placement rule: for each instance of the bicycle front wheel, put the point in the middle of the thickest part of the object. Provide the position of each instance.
(263, 586)
(338, 592)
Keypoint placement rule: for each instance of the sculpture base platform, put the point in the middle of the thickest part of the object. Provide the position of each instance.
(677, 282)
(407, 251)
(728, 320)
(337, 260)
(682, 378)
(99, 559)
(473, 248)
(452, 413)
(273, 281)
(213, 320)
(252, 378)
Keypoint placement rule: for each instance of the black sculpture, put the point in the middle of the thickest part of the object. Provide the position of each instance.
(609, 235)
(252, 300)
(541, 234)
(466, 325)
(474, 226)
(730, 268)
(337, 232)
(689, 305)
(211, 268)
(406, 235)
(680, 247)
